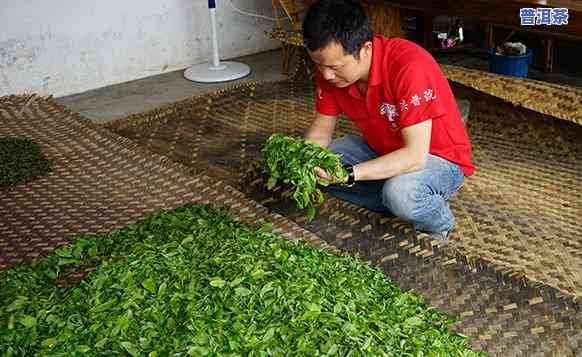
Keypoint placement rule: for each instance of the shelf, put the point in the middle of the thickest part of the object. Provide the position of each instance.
(459, 48)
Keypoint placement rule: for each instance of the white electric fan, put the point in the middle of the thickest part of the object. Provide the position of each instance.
(216, 71)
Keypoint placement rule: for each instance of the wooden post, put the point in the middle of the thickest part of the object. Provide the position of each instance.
(385, 20)
(428, 25)
(490, 36)
(549, 54)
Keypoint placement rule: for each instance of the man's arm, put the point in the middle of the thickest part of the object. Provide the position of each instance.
(321, 130)
(411, 157)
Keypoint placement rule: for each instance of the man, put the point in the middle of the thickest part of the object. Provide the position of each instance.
(414, 152)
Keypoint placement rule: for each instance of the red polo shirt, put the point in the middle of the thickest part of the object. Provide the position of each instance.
(405, 87)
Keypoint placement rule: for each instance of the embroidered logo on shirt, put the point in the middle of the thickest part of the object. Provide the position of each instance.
(415, 100)
(389, 110)
(429, 95)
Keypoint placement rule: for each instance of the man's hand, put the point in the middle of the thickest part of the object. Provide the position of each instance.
(327, 179)
(321, 130)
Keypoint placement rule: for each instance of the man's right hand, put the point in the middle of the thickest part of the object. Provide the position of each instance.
(321, 130)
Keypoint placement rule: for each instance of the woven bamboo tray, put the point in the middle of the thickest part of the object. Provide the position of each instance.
(100, 182)
(564, 102)
(512, 272)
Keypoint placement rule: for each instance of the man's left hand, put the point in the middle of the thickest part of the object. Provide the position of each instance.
(327, 179)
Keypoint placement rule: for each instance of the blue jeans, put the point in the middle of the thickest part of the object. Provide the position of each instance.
(419, 197)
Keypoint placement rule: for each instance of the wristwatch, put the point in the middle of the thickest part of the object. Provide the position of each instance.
(351, 178)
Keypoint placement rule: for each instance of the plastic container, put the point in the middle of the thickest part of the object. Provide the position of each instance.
(510, 65)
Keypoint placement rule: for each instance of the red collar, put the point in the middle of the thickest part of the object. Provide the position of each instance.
(375, 76)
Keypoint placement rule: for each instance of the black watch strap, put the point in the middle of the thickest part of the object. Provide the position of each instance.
(351, 178)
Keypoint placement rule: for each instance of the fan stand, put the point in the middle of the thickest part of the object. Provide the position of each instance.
(216, 71)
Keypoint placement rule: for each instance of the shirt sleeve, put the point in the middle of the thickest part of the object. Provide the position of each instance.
(415, 87)
(325, 101)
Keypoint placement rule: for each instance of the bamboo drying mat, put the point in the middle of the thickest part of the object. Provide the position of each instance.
(564, 102)
(100, 182)
(513, 270)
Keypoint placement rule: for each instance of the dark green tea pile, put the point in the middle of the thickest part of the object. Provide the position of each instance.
(195, 282)
(292, 161)
(21, 160)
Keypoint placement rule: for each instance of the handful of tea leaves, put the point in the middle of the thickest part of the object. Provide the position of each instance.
(293, 160)
(21, 160)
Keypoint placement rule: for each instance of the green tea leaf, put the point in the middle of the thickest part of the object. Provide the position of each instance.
(130, 348)
(83, 349)
(242, 291)
(269, 334)
(28, 321)
(92, 252)
(17, 304)
(149, 285)
(217, 282)
(413, 321)
(104, 306)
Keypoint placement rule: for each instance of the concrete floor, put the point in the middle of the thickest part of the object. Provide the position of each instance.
(117, 101)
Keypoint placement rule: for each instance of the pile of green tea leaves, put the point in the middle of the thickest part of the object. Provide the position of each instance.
(292, 161)
(21, 160)
(196, 282)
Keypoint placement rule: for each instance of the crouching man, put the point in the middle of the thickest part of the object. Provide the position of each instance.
(414, 152)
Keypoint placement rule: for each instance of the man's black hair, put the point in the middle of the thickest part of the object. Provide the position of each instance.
(341, 21)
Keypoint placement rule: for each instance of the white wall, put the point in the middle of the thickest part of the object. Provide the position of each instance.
(62, 47)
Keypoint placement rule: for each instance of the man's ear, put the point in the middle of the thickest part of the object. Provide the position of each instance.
(366, 49)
